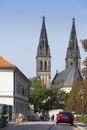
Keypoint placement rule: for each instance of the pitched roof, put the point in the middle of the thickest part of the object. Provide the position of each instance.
(5, 63)
(67, 77)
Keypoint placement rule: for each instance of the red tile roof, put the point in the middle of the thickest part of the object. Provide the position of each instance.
(5, 63)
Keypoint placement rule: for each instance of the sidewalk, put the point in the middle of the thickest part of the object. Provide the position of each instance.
(13, 122)
(81, 126)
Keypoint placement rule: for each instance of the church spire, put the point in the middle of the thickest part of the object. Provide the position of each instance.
(73, 53)
(43, 48)
(73, 31)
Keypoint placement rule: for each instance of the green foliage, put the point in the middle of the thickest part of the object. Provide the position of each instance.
(79, 119)
(36, 93)
(45, 99)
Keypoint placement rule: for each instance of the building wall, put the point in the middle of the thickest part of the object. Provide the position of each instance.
(6, 86)
(67, 89)
(21, 87)
(21, 104)
(14, 91)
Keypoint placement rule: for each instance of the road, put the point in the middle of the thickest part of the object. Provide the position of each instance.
(39, 126)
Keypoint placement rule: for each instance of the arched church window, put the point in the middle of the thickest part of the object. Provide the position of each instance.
(71, 63)
(41, 65)
(45, 65)
(70, 48)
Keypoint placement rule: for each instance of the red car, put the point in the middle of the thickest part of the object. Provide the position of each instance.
(64, 117)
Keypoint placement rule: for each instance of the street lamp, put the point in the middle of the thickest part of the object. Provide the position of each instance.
(82, 94)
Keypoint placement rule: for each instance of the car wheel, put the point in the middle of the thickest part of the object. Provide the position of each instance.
(72, 123)
(57, 123)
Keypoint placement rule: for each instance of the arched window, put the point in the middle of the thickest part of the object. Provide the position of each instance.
(45, 65)
(41, 65)
(71, 63)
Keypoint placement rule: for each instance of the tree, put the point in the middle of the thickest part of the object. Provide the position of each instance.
(84, 44)
(79, 89)
(84, 70)
(45, 99)
(36, 93)
(74, 102)
(57, 98)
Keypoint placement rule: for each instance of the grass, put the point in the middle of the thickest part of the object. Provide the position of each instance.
(80, 119)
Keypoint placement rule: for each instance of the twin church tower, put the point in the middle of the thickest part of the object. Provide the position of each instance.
(43, 58)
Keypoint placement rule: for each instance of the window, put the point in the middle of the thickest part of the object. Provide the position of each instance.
(41, 65)
(45, 65)
(23, 91)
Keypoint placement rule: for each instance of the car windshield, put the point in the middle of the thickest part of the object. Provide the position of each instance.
(65, 113)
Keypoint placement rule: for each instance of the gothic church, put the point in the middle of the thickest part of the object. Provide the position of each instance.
(66, 78)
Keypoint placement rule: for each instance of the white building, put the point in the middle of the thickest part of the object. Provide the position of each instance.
(14, 87)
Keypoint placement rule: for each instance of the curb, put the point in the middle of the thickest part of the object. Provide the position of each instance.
(12, 123)
(81, 126)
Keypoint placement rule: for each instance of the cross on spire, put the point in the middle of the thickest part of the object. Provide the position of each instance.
(43, 17)
(73, 19)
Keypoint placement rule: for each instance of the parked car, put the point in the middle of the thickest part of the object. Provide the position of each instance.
(64, 117)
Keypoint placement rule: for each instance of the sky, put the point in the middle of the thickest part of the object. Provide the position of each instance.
(20, 25)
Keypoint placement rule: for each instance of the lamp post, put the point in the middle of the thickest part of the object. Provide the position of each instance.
(82, 96)
(77, 100)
